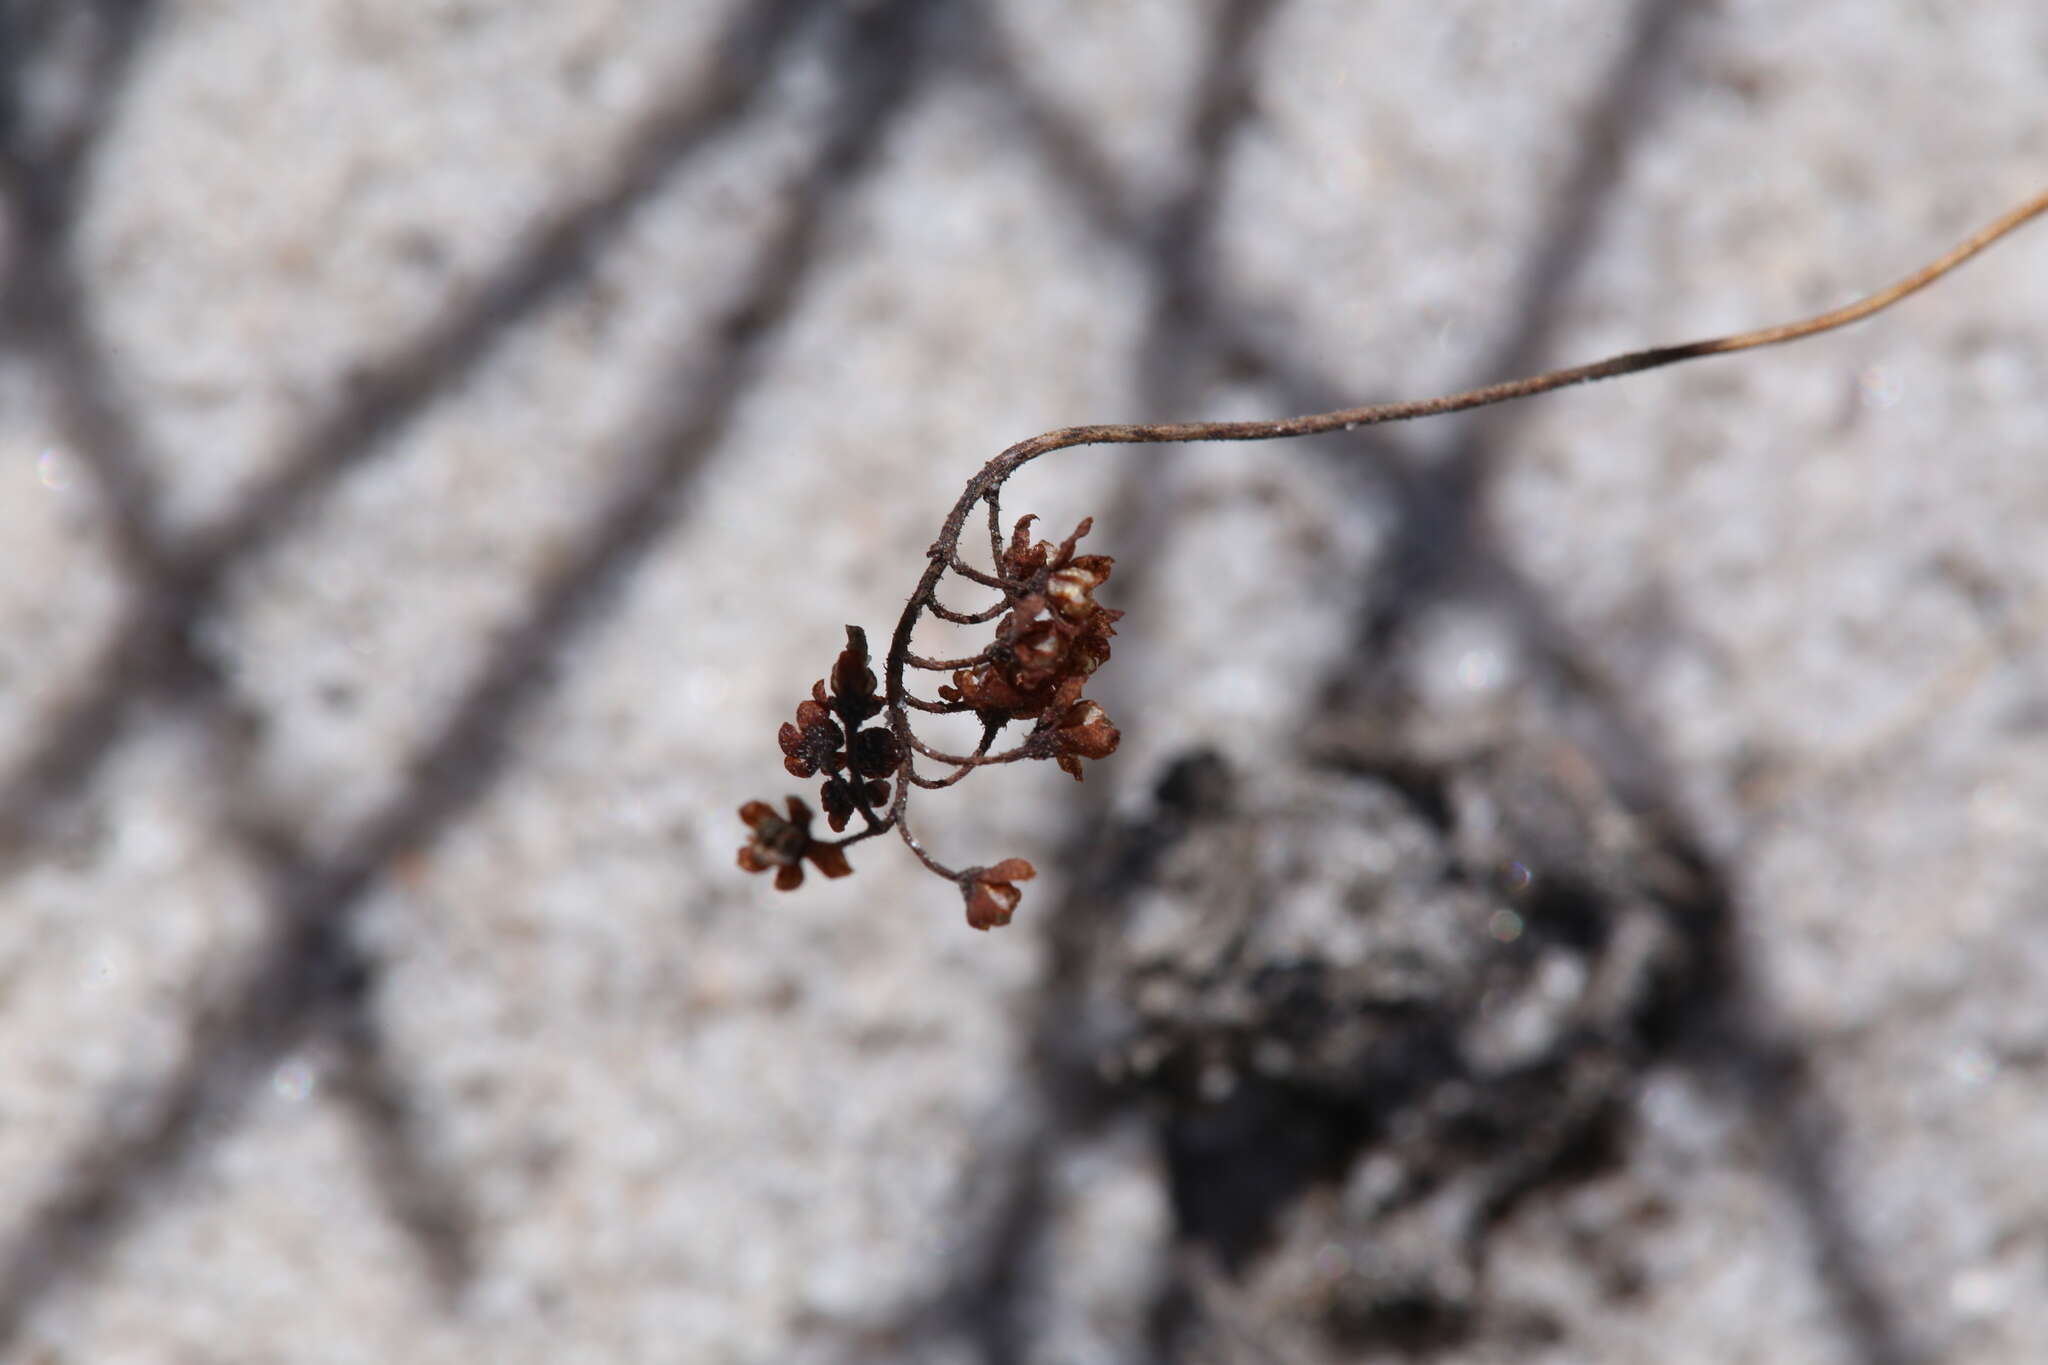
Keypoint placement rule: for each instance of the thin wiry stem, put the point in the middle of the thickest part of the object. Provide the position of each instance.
(948, 665)
(961, 618)
(936, 708)
(932, 784)
(910, 839)
(980, 758)
(972, 574)
(875, 825)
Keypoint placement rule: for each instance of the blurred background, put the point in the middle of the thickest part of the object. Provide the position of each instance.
(1574, 883)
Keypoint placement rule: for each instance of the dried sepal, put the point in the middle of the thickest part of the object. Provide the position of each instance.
(991, 892)
(1023, 559)
(784, 844)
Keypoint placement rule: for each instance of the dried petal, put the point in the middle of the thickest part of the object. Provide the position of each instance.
(829, 859)
(1090, 649)
(1061, 555)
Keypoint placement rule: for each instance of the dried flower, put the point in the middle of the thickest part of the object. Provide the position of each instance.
(785, 844)
(812, 745)
(991, 892)
(1082, 731)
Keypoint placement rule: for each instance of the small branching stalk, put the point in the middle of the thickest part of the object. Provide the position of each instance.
(1051, 634)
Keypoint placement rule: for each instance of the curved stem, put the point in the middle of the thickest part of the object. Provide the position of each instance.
(980, 758)
(936, 708)
(910, 841)
(875, 825)
(946, 665)
(972, 574)
(962, 618)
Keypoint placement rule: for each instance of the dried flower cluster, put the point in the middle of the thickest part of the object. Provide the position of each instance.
(1053, 634)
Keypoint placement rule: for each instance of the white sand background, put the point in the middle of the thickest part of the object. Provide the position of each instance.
(442, 441)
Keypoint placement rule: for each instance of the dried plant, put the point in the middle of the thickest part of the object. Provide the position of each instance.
(1051, 633)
